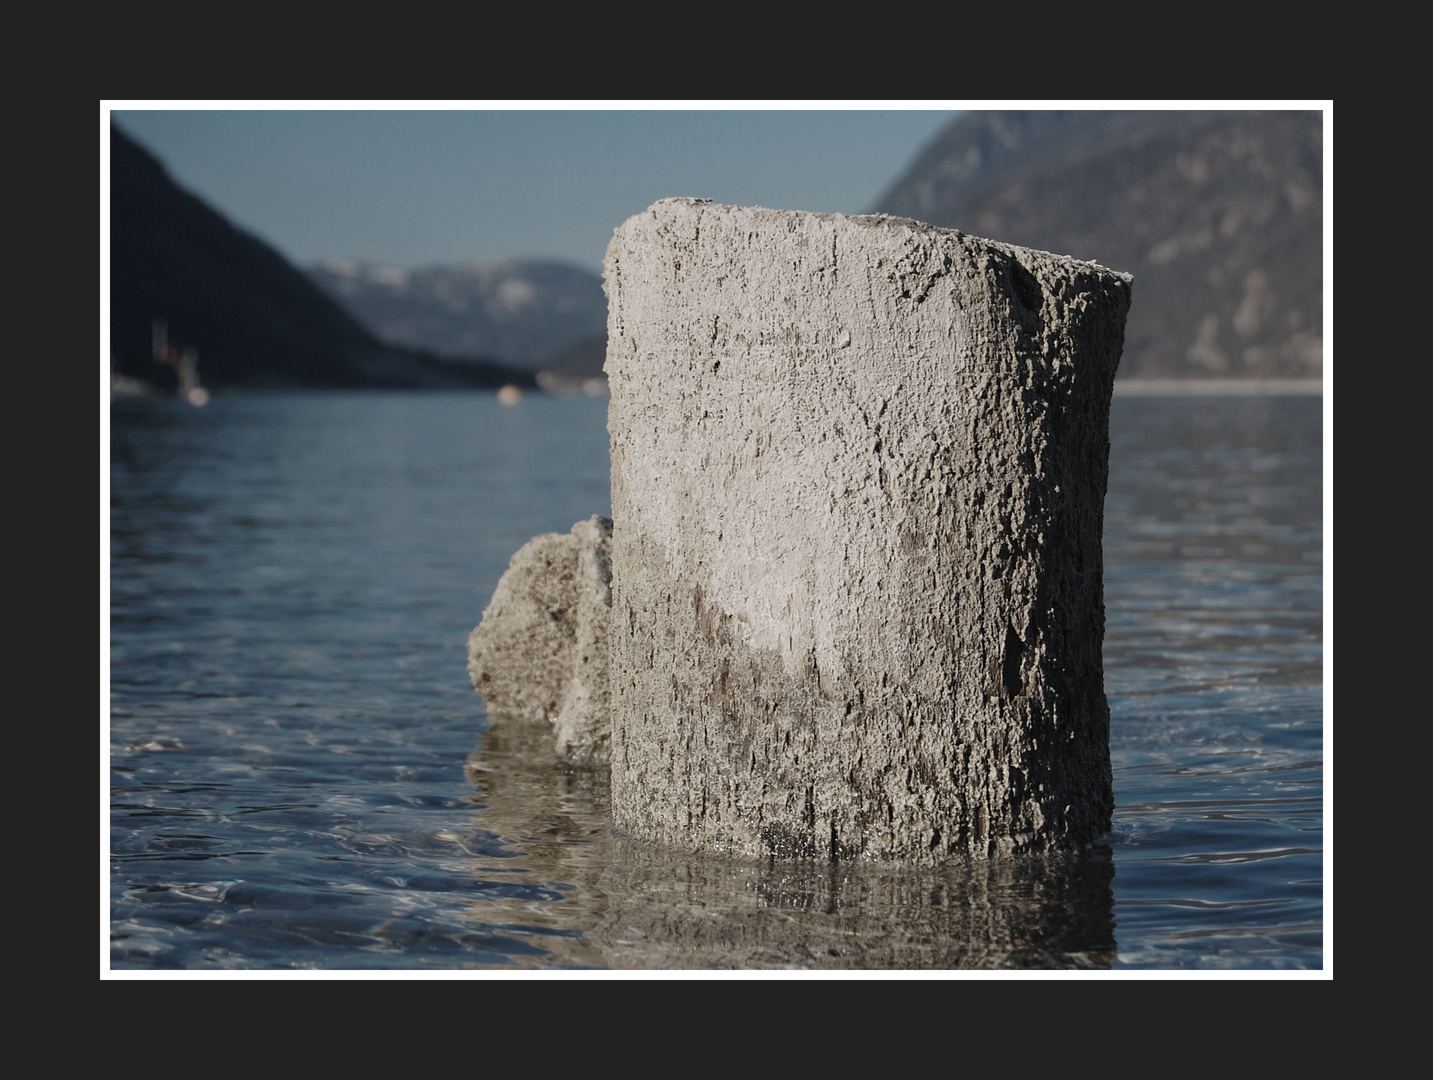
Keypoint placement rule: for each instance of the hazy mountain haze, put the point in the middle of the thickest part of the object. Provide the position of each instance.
(523, 310)
(421, 187)
(1217, 214)
(479, 233)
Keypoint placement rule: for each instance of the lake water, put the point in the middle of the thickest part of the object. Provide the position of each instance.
(301, 775)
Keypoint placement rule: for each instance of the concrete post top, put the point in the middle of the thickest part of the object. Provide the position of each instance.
(890, 300)
(682, 214)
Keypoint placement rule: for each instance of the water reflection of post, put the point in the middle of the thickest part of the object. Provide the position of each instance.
(553, 820)
(668, 910)
(630, 904)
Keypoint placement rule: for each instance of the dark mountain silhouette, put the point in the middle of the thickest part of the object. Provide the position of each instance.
(1218, 215)
(254, 319)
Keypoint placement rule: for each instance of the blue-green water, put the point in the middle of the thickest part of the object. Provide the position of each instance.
(302, 776)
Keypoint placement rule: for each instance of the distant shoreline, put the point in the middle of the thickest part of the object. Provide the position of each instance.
(1218, 387)
(126, 387)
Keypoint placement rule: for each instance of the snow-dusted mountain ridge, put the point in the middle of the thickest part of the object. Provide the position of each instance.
(523, 311)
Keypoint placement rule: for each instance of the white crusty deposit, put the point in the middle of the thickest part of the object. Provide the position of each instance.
(858, 479)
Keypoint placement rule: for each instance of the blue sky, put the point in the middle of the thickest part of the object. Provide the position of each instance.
(405, 187)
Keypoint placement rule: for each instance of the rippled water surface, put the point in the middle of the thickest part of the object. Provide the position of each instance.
(302, 776)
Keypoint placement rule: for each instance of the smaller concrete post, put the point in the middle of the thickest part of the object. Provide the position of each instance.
(540, 652)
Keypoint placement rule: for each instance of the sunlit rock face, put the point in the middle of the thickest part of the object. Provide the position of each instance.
(540, 652)
(858, 479)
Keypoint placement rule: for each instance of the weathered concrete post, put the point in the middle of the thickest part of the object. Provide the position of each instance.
(858, 480)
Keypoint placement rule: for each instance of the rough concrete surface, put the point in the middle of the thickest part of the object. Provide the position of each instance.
(540, 652)
(858, 479)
